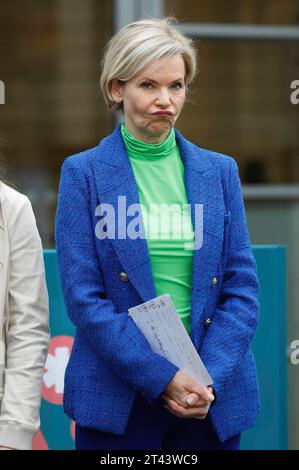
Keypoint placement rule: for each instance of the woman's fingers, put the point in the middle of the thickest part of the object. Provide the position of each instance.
(183, 387)
(178, 410)
(193, 399)
(202, 392)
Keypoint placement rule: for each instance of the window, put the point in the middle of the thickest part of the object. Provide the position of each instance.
(241, 106)
(50, 55)
(241, 99)
(270, 12)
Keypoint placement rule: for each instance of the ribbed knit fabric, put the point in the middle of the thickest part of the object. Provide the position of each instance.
(159, 175)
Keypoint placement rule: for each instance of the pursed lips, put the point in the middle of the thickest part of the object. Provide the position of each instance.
(163, 114)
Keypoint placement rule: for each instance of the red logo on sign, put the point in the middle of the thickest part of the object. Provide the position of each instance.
(39, 442)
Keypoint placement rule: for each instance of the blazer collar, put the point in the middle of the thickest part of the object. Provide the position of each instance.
(112, 152)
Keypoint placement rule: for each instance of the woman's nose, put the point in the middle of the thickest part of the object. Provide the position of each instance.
(163, 97)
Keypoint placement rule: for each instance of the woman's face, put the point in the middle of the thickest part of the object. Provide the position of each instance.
(158, 88)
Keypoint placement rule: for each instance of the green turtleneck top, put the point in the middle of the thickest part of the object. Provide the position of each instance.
(159, 175)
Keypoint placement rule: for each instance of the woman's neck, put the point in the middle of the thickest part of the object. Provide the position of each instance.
(146, 136)
(141, 150)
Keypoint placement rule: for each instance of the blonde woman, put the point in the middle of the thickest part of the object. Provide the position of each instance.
(24, 328)
(121, 394)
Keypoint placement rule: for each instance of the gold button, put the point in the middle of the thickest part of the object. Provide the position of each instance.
(214, 281)
(208, 321)
(123, 276)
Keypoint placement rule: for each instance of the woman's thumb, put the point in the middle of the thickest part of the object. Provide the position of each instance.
(191, 398)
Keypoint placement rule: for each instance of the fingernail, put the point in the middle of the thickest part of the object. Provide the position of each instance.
(210, 396)
(189, 400)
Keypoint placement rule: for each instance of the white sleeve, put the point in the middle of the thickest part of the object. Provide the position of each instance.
(27, 338)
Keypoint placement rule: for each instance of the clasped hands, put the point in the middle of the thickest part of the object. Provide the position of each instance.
(186, 398)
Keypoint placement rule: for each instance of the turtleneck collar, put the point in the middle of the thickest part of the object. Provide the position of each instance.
(142, 150)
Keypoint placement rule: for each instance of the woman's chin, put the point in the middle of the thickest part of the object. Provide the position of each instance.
(159, 126)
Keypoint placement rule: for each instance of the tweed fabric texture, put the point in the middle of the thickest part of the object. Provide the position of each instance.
(111, 361)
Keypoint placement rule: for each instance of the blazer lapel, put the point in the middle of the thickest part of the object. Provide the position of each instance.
(203, 186)
(115, 178)
(116, 186)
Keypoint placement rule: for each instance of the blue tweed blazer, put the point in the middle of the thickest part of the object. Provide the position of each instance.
(111, 361)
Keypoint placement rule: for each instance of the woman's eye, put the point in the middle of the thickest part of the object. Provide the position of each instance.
(179, 85)
(146, 83)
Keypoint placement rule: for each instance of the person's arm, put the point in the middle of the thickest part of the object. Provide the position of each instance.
(234, 323)
(114, 335)
(27, 333)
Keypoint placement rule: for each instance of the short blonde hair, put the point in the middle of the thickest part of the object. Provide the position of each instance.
(140, 44)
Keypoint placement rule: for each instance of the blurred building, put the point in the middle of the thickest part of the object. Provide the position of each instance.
(240, 105)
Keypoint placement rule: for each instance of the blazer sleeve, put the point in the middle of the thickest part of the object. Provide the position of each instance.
(27, 337)
(117, 339)
(234, 324)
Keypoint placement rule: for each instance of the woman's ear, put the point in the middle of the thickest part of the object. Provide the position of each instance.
(116, 91)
